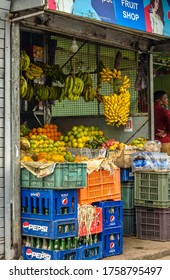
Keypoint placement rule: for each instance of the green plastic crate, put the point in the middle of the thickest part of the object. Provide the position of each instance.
(129, 222)
(127, 194)
(152, 189)
(65, 176)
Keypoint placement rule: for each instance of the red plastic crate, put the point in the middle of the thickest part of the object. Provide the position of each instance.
(96, 225)
(101, 186)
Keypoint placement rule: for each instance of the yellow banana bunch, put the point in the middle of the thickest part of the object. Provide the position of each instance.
(72, 89)
(24, 60)
(107, 74)
(23, 87)
(125, 82)
(33, 72)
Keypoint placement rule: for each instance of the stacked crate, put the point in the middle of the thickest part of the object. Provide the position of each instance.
(127, 191)
(103, 191)
(50, 215)
(152, 204)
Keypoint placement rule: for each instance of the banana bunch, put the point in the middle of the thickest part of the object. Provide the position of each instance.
(54, 72)
(89, 94)
(24, 60)
(33, 72)
(117, 108)
(107, 74)
(41, 92)
(23, 87)
(85, 76)
(125, 82)
(55, 93)
(29, 94)
(72, 89)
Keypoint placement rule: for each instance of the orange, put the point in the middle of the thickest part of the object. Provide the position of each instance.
(34, 130)
(45, 125)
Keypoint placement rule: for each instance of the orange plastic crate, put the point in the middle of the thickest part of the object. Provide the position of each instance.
(101, 185)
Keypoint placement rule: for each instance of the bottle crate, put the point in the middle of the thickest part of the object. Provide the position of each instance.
(112, 241)
(49, 205)
(96, 225)
(90, 252)
(152, 189)
(49, 229)
(65, 176)
(112, 213)
(101, 186)
(31, 253)
(127, 193)
(129, 222)
(153, 223)
(126, 174)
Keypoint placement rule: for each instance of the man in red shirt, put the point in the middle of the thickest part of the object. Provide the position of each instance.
(162, 120)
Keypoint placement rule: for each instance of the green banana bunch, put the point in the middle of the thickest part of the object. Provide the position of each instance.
(89, 94)
(77, 86)
(30, 93)
(42, 92)
(85, 76)
(24, 60)
(55, 92)
(23, 87)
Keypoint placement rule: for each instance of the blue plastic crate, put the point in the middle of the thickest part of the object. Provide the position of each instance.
(127, 193)
(112, 213)
(49, 229)
(65, 176)
(31, 253)
(126, 174)
(90, 252)
(112, 241)
(49, 205)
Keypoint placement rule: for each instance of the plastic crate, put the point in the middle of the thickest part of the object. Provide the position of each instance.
(49, 229)
(126, 174)
(31, 253)
(90, 252)
(112, 212)
(153, 223)
(129, 222)
(112, 241)
(96, 225)
(65, 176)
(152, 189)
(101, 186)
(49, 204)
(127, 192)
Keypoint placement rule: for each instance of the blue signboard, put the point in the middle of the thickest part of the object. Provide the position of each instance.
(146, 15)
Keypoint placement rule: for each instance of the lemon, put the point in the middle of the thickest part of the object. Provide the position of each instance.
(80, 145)
(74, 145)
(74, 128)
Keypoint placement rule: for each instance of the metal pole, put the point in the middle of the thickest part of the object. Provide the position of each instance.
(151, 95)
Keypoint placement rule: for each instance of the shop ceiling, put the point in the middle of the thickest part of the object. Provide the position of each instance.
(82, 28)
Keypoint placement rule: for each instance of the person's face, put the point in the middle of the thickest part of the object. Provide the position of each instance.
(156, 5)
(164, 100)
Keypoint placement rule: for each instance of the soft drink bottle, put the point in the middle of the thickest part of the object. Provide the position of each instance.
(63, 244)
(32, 241)
(28, 243)
(45, 244)
(68, 243)
(38, 242)
(66, 229)
(95, 238)
(57, 244)
(51, 245)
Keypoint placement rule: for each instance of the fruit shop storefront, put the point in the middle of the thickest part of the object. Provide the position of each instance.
(52, 51)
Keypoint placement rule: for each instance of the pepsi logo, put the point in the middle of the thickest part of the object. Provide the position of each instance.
(112, 244)
(112, 218)
(64, 201)
(37, 194)
(25, 226)
(29, 253)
